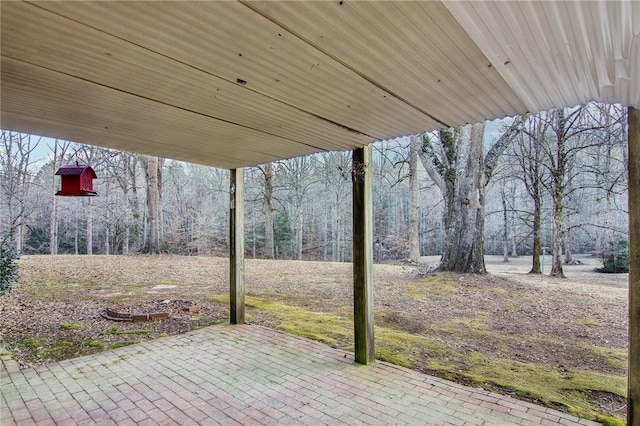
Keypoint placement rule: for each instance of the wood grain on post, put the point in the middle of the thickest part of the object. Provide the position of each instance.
(363, 320)
(236, 246)
(633, 394)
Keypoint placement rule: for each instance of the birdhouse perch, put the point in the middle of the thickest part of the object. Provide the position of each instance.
(77, 181)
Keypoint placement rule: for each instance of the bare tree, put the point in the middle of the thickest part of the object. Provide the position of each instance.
(59, 152)
(606, 166)
(456, 164)
(269, 241)
(297, 181)
(153, 173)
(334, 168)
(310, 203)
(505, 226)
(414, 237)
(527, 152)
(123, 168)
(567, 138)
(16, 162)
(400, 213)
(456, 169)
(96, 157)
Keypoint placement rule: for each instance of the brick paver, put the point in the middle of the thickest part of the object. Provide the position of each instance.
(246, 375)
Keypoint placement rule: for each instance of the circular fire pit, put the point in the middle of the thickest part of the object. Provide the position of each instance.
(151, 311)
(115, 315)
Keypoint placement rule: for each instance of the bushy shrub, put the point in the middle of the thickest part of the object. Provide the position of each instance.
(616, 260)
(8, 266)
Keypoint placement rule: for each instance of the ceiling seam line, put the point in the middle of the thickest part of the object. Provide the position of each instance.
(164, 103)
(215, 76)
(343, 63)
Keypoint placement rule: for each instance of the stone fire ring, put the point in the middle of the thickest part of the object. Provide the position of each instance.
(123, 316)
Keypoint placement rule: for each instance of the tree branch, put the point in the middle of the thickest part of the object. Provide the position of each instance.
(432, 164)
(491, 159)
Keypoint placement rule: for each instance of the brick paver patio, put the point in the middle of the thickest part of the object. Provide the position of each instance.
(246, 375)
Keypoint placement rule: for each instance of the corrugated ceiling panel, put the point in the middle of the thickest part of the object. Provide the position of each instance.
(231, 41)
(234, 83)
(42, 102)
(560, 53)
(416, 50)
(86, 53)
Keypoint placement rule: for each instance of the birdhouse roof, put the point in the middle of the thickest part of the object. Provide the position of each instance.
(75, 170)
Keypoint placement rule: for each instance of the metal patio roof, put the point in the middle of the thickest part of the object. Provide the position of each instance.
(232, 84)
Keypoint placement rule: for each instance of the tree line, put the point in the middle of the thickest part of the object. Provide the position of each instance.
(554, 181)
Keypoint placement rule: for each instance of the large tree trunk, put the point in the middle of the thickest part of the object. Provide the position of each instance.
(556, 247)
(537, 240)
(458, 168)
(414, 240)
(152, 245)
(459, 173)
(161, 238)
(558, 176)
(134, 202)
(269, 251)
(298, 234)
(465, 209)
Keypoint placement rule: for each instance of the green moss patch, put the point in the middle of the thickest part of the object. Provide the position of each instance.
(588, 322)
(114, 331)
(319, 326)
(440, 285)
(70, 326)
(610, 421)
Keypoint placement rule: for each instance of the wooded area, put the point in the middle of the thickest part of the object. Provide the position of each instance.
(555, 182)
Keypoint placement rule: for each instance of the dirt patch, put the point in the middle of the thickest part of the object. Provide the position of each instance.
(608, 401)
(41, 331)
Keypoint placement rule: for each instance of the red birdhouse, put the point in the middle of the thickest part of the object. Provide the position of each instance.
(77, 181)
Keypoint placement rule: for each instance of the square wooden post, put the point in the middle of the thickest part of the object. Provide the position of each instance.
(236, 246)
(633, 390)
(363, 319)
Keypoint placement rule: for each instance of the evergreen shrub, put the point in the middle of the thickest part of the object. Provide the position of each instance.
(616, 260)
(8, 266)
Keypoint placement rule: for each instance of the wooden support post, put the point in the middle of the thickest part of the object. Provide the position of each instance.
(362, 175)
(633, 390)
(236, 246)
